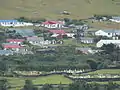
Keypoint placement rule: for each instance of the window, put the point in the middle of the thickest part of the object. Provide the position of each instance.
(108, 33)
(11, 22)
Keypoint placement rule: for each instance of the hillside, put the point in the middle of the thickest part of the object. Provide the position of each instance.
(52, 8)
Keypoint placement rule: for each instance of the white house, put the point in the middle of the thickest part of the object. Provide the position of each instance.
(38, 41)
(17, 41)
(115, 19)
(53, 24)
(70, 35)
(13, 23)
(86, 40)
(11, 46)
(102, 42)
(108, 33)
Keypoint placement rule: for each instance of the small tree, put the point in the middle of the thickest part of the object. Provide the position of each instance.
(4, 84)
(29, 85)
(46, 87)
(111, 86)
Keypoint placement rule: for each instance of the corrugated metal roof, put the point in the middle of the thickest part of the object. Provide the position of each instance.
(8, 21)
(24, 32)
(111, 31)
(11, 45)
(15, 40)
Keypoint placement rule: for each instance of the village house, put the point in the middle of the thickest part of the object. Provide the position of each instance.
(46, 51)
(13, 23)
(38, 41)
(70, 35)
(23, 32)
(17, 41)
(53, 24)
(57, 33)
(102, 42)
(6, 52)
(108, 33)
(86, 40)
(11, 46)
(80, 50)
(115, 19)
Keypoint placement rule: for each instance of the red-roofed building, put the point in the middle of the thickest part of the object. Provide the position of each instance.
(57, 33)
(60, 32)
(53, 24)
(12, 46)
(17, 41)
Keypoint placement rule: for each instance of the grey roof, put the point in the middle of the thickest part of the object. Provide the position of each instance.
(10, 44)
(116, 18)
(24, 32)
(83, 49)
(35, 39)
(5, 52)
(86, 38)
(111, 31)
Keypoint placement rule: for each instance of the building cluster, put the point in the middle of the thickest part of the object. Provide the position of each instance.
(19, 37)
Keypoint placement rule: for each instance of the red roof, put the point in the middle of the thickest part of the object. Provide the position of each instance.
(58, 32)
(12, 46)
(53, 22)
(15, 40)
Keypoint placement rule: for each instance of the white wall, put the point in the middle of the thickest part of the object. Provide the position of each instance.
(113, 20)
(70, 35)
(102, 42)
(102, 33)
(15, 24)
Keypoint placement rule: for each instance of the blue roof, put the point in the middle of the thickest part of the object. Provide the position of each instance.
(111, 31)
(8, 21)
(24, 32)
(116, 18)
(3, 52)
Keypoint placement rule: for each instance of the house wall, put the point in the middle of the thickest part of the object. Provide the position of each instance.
(39, 43)
(15, 49)
(52, 25)
(87, 41)
(16, 42)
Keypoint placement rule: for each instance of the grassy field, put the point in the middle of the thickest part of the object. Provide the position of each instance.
(52, 79)
(106, 71)
(51, 8)
(74, 43)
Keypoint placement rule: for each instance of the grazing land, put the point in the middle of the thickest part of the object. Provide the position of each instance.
(106, 71)
(51, 9)
(52, 79)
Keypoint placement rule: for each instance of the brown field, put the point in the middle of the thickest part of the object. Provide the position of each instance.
(51, 9)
